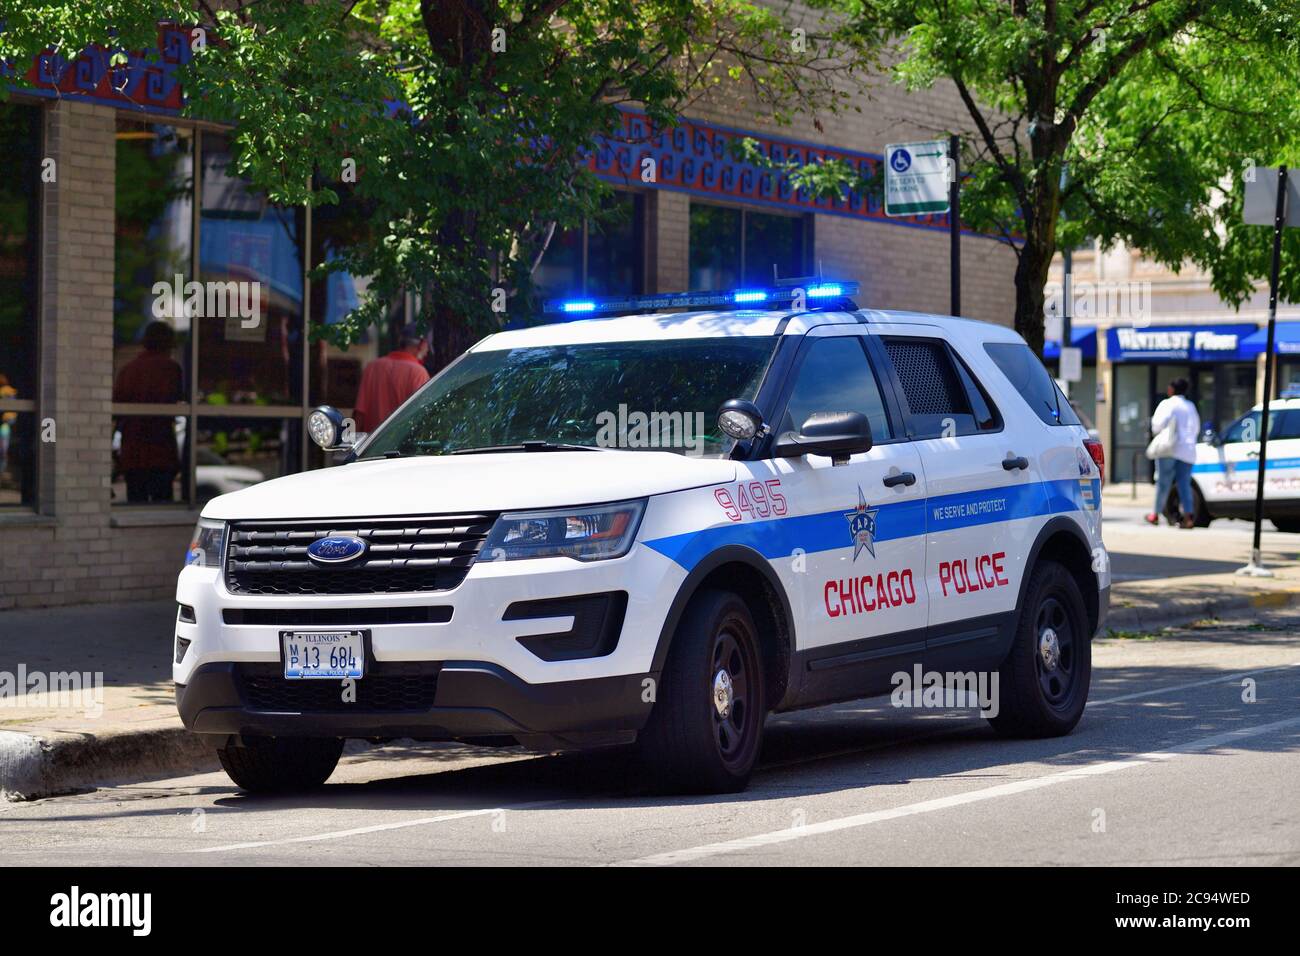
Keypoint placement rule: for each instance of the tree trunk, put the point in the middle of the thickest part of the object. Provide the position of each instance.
(1031, 275)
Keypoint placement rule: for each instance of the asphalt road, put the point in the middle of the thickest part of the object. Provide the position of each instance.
(1170, 765)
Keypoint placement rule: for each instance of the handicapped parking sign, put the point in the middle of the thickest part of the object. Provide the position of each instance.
(916, 178)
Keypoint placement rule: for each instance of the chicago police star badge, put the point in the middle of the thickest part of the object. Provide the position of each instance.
(862, 526)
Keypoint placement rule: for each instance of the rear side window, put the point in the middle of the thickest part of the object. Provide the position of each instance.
(943, 399)
(1032, 381)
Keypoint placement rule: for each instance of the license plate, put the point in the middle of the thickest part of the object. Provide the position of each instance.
(335, 655)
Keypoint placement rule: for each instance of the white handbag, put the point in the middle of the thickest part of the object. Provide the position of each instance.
(1162, 446)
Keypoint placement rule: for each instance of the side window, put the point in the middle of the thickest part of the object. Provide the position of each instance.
(1282, 423)
(836, 377)
(1032, 381)
(943, 398)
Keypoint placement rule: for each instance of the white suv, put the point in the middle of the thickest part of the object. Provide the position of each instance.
(1227, 469)
(656, 529)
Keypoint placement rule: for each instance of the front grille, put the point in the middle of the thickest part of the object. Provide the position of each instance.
(405, 555)
(334, 616)
(386, 688)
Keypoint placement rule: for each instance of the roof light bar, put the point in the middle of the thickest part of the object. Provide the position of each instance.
(819, 292)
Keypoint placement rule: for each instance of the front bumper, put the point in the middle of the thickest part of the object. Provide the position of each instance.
(471, 699)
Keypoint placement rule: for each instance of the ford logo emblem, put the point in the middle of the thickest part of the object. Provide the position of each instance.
(336, 549)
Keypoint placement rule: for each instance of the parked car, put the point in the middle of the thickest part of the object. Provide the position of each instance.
(652, 531)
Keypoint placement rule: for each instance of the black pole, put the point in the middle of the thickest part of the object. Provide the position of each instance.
(954, 222)
(1279, 220)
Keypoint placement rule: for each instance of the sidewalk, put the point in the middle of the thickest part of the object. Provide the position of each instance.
(130, 731)
(123, 725)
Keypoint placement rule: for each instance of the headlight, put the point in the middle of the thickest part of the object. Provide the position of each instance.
(588, 534)
(206, 545)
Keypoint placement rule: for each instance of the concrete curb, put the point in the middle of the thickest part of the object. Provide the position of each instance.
(1179, 611)
(33, 766)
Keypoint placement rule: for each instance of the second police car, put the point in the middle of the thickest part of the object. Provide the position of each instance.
(1226, 471)
(654, 530)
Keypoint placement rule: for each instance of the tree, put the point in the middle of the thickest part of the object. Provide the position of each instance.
(467, 122)
(1130, 120)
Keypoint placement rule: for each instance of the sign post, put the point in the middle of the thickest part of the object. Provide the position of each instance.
(1258, 194)
(954, 224)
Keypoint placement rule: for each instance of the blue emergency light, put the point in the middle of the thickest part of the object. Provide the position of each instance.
(815, 291)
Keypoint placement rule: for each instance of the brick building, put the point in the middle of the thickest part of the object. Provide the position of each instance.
(108, 192)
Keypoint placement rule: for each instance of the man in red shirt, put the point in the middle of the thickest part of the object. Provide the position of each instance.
(391, 380)
(150, 458)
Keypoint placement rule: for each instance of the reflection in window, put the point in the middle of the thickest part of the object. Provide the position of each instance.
(255, 360)
(17, 457)
(715, 247)
(730, 247)
(234, 453)
(335, 372)
(147, 455)
(153, 231)
(600, 258)
(20, 141)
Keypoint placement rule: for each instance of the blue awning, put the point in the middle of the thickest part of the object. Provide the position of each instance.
(1285, 342)
(1081, 337)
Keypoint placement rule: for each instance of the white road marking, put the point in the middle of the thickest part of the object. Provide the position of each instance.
(1200, 683)
(693, 854)
(376, 828)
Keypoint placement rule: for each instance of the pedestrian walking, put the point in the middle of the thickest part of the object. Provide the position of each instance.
(1176, 425)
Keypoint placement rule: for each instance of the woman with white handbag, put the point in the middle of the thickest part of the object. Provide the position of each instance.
(1176, 425)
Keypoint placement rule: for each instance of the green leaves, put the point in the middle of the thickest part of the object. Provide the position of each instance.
(467, 124)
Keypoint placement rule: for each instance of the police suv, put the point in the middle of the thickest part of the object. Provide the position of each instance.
(653, 530)
(1226, 471)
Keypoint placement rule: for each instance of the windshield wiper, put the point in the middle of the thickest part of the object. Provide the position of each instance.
(522, 446)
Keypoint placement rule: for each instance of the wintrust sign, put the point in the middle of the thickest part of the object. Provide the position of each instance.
(1210, 343)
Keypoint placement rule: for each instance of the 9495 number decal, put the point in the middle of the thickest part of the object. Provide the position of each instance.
(753, 499)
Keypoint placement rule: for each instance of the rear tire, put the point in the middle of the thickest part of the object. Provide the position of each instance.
(1043, 683)
(1288, 525)
(706, 728)
(281, 764)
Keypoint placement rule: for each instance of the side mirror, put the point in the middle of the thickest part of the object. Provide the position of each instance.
(836, 435)
(325, 426)
(1210, 436)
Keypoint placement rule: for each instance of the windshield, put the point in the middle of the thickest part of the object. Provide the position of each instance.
(657, 395)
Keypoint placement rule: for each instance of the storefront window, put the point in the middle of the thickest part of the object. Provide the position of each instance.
(234, 453)
(600, 258)
(250, 259)
(335, 372)
(715, 246)
(20, 144)
(730, 247)
(153, 245)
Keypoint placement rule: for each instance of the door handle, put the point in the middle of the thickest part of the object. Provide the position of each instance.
(1252, 454)
(902, 478)
(1013, 462)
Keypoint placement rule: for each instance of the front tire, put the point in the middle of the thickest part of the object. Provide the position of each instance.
(706, 728)
(1043, 683)
(1288, 525)
(281, 764)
